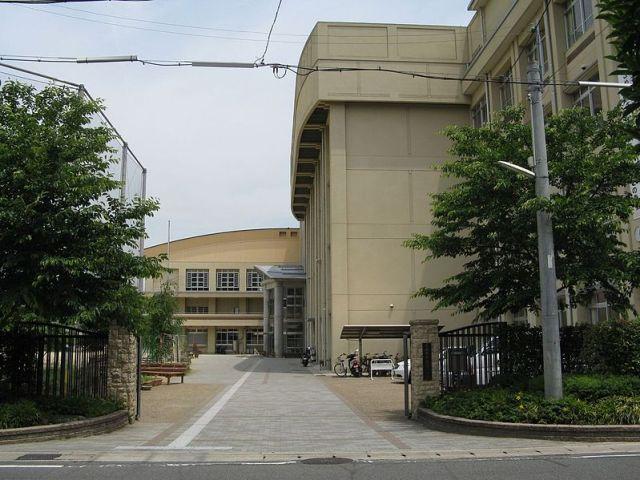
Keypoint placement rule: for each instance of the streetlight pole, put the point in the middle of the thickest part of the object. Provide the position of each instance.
(552, 360)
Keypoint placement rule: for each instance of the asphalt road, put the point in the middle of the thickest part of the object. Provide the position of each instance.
(613, 466)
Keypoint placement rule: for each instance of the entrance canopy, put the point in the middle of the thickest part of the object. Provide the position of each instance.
(370, 332)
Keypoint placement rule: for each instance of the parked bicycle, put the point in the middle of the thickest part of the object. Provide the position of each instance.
(348, 364)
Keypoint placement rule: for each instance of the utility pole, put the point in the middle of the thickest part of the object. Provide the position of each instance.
(552, 360)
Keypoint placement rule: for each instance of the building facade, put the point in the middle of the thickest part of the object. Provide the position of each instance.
(219, 287)
(367, 145)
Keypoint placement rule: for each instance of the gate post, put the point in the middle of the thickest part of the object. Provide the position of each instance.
(425, 368)
(122, 369)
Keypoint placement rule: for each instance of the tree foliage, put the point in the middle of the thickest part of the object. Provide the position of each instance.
(160, 323)
(488, 217)
(66, 236)
(624, 18)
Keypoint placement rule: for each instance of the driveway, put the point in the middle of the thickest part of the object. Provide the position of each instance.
(235, 407)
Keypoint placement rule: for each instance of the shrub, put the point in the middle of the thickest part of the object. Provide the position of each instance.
(503, 405)
(613, 347)
(19, 414)
(592, 387)
(617, 410)
(82, 406)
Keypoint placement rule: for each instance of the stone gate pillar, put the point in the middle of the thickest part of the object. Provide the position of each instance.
(425, 368)
(122, 368)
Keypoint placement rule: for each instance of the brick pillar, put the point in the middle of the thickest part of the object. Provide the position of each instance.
(425, 342)
(122, 368)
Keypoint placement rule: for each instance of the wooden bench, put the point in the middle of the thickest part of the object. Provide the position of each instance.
(167, 370)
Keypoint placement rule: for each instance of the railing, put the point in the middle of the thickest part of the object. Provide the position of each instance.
(53, 360)
(470, 356)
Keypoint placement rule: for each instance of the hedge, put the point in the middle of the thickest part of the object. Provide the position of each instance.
(610, 347)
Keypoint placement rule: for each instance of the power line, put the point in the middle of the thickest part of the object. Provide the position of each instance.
(296, 69)
(383, 38)
(219, 29)
(273, 24)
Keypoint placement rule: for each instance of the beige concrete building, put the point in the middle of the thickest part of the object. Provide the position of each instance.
(219, 285)
(366, 146)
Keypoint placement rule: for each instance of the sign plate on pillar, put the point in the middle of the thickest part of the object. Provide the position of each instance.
(427, 371)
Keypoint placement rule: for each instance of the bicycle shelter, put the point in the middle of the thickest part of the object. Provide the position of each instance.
(382, 332)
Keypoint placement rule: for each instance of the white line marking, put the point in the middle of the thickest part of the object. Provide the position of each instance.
(194, 430)
(31, 466)
(153, 447)
(609, 455)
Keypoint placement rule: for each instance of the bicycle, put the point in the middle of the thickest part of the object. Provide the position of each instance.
(340, 368)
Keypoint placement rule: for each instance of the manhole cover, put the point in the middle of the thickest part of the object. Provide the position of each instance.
(326, 461)
(39, 456)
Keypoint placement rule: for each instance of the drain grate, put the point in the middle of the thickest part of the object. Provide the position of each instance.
(39, 456)
(326, 461)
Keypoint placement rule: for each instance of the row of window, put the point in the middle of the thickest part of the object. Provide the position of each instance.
(588, 97)
(578, 18)
(227, 280)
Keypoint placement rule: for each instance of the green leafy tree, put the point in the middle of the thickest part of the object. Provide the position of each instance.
(488, 217)
(160, 324)
(624, 18)
(66, 237)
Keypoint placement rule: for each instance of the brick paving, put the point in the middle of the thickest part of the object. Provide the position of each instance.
(283, 410)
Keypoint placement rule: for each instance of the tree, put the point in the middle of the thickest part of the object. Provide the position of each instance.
(488, 216)
(160, 323)
(624, 18)
(66, 236)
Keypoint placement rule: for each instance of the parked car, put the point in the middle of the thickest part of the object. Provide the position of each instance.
(398, 372)
(464, 366)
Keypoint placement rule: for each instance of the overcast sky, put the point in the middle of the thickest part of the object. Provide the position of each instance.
(216, 143)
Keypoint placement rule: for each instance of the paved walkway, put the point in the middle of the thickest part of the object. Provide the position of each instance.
(244, 408)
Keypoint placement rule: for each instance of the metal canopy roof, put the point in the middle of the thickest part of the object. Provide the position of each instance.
(283, 272)
(360, 332)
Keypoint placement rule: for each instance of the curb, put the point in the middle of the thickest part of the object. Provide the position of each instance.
(78, 428)
(580, 433)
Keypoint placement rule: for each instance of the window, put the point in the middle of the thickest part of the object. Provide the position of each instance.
(197, 280)
(599, 309)
(589, 97)
(294, 303)
(505, 90)
(196, 309)
(197, 336)
(282, 234)
(254, 281)
(537, 50)
(479, 113)
(578, 17)
(225, 338)
(294, 234)
(520, 317)
(227, 280)
(254, 339)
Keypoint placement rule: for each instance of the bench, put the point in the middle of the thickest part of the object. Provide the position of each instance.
(381, 365)
(167, 370)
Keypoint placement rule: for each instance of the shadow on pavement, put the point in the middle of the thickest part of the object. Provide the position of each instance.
(271, 365)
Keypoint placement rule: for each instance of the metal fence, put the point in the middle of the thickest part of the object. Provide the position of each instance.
(470, 356)
(46, 359)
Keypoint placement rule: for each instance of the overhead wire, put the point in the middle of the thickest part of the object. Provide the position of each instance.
(273, 24)
(303, 71)
(383, 38)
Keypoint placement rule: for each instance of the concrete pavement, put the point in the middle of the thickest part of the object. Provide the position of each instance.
(234, 408)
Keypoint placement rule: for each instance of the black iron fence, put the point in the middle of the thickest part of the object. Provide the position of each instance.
(53, 360)
(470, 356)
(474, 355)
